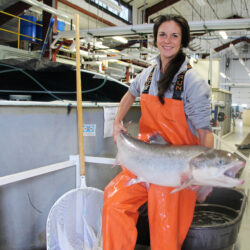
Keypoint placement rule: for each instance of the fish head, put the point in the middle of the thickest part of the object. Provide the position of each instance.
(216, 168)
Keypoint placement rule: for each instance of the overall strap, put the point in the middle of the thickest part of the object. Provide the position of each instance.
(179, 86)
(148, 82)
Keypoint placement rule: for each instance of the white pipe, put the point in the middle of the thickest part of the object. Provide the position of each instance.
(48, 8)
(99, 160)
(34, 172)
(74, 161)
(195, 26)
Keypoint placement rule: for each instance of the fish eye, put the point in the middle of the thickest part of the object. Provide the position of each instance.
(221, 162)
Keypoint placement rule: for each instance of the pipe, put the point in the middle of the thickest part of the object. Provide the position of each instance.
(195, 26)
(72, 162)
(34, 172)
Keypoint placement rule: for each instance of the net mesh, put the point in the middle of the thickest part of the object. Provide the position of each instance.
(74, 221)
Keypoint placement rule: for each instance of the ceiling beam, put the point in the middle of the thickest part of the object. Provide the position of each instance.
(158, 7)
(226, 45)
(16, 9)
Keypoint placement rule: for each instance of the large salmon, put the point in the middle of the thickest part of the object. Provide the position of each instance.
(178, 166)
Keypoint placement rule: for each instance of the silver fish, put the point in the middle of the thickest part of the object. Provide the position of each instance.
(178, 166)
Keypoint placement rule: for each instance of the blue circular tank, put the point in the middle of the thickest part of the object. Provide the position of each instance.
(60, 26)
(27, 28)
(39, 31)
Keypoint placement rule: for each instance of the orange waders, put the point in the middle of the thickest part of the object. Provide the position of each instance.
(170, 215)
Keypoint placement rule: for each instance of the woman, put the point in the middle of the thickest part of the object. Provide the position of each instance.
(175, 103)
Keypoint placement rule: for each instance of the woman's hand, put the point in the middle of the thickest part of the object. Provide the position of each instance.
(206, 137)
(124, 106)
(118, 126)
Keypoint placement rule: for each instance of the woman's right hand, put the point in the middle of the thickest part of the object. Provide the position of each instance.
(118, 126)
(124, 106)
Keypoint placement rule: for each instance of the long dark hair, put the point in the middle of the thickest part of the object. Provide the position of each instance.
(175, 64)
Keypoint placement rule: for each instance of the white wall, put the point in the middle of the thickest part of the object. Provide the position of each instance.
(239, 79)
(238, 72)
(202, 66)
(235, 70)
(241, 96)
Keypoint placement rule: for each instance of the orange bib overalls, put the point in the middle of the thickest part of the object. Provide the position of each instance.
(170, 215)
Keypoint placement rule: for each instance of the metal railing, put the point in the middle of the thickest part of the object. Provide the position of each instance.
(18, 33)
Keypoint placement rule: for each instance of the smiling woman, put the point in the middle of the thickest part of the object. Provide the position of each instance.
(175, 104)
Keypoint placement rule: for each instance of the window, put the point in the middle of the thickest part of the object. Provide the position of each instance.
(125, 15)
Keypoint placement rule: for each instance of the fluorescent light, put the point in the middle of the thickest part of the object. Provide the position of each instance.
(100, 45)
(223, 35)
(249, 74)
(234, 49)
(100, 55)
(113, 50)
(243, 105)
(120, 39)
(223, 75)
(112, 5)
(242, 62)
(113, 60)
(234, 104)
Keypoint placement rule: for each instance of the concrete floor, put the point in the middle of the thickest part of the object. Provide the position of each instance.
(236, 137)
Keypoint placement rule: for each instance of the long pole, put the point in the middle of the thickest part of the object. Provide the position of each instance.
(79, 97)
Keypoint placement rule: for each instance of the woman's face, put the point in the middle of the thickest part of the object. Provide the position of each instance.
(169, 39)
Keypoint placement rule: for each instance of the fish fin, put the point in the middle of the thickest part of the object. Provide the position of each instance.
(128, 124)
(135, 181)
(183, 186)
(203, 192)
(156, 138)
(117, 162)
(147, 185)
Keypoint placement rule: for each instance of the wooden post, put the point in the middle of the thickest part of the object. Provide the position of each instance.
(127, 74)
(79, 97)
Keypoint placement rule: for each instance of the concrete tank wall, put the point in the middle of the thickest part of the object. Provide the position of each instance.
(33, 135)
